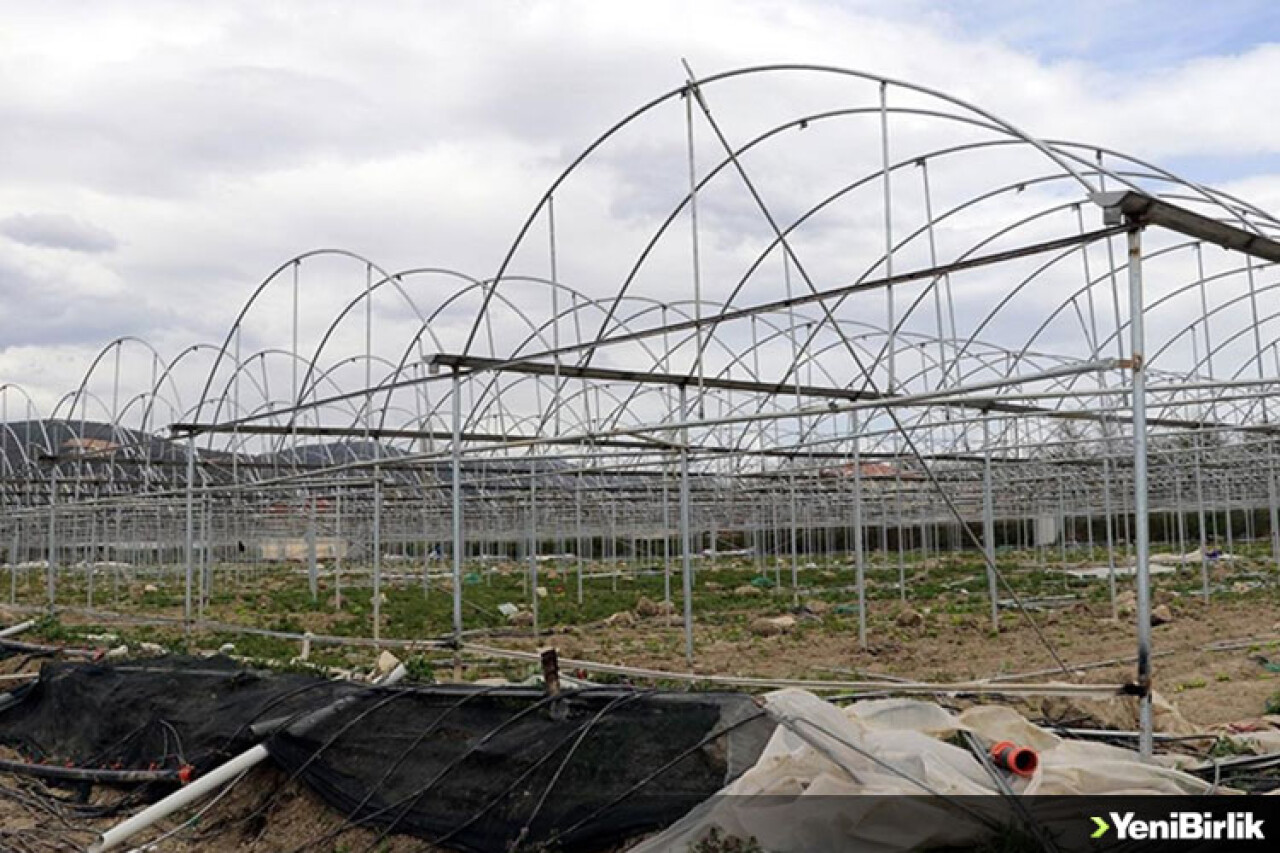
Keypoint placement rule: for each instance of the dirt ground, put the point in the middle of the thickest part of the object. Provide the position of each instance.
(262, 813)
(1213, 664)
(1207, 687)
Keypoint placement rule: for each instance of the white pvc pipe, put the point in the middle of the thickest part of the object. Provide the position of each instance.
(14, 630)
(208, 783)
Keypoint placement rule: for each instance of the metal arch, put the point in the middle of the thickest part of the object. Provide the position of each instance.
(396, 280)
(761, 69)
(253, 298)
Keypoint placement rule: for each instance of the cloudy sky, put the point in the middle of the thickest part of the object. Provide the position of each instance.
(159, 159)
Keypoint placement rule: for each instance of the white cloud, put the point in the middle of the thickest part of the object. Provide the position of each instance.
(57, 231)
(188, 151)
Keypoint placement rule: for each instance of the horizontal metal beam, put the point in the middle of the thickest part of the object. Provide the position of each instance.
(1143, 209)
(646, 377)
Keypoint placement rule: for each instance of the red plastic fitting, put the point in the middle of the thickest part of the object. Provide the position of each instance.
(1018, 760)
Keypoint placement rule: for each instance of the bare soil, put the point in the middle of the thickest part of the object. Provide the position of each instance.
(1207, 687)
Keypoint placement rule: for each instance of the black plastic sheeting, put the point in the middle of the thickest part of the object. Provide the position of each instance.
(463, 766)
(162, 712)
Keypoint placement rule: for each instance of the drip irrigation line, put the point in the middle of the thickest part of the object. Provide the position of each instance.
(92, 774)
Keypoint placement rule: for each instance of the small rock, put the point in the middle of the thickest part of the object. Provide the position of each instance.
(227, 649)
(1161, 615)
(118, 653)
(151, 588)
(772, 627)
(151, 649)
(646, 608)
(387, 662)
(542, 592)
(748, 589)
(910, 619)
(623, 618)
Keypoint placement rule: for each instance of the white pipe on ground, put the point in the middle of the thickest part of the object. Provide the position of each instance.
(213, 780)
(14, 630)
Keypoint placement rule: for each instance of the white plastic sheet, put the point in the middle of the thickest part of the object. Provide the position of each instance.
(896, 747)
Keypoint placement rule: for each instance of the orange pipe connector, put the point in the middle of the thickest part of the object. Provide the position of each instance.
(1018, 760)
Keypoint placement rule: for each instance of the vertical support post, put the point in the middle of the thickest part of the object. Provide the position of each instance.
(190, 554)
(989, 524)
(666, 540)
(1273, 509)
(206, 564)
(577, 528)
(14, 560)
(377, 553)
(456, 519)
(313, 573)
(897, 511)
(859, 558)
(891, 319)
(795, 540)
(691, 92)
(686, 544)
(1137, 347)
(51, 567)
(1180, 521)
(339, 547)
(533, 545)
(91, 564)
(1110, 522)
(1062, 519)
(1204, 543)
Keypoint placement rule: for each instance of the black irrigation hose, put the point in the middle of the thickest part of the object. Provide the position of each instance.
(249, 724)
(90, 774)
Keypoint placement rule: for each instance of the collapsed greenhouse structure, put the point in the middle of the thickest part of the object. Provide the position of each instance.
(789, 314)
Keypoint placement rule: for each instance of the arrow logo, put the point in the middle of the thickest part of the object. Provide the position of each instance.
(1102, 825)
